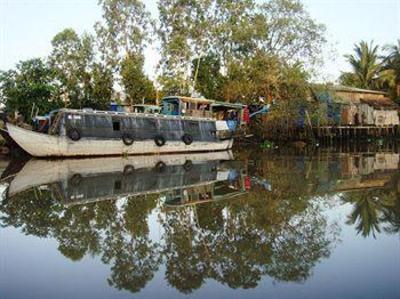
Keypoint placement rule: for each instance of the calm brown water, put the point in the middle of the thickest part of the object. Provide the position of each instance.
(253, 225)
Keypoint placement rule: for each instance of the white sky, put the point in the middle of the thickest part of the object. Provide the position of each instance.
(27, 27)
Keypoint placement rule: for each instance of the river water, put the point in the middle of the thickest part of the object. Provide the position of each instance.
(278, 224)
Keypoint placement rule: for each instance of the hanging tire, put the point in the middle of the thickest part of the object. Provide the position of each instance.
(159, 140)
(188, 165)
(187, 139)
(160, 166)
(128, 170)
(127, 139)
(74, 134)
(75, 180)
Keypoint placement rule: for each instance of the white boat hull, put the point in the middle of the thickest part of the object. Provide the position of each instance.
(44, 145)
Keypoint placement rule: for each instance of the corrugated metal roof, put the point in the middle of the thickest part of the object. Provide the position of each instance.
(190, 99)
(360, 90)
(231, 105)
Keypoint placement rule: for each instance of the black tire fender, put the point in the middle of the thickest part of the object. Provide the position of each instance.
(187, 139)
(159, 140)
(188, 165)
(128, 170)
(160, 166)
(127, 139)
(73, 134)
(75, 180)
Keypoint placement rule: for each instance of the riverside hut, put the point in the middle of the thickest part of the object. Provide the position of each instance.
(366, 107)
(349, 106)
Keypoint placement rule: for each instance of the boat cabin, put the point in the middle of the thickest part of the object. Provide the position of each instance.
(199, 120)
(205, 108)
(186, 106)
(117, 125)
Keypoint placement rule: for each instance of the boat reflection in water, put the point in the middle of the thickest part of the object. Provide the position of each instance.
(183, 178)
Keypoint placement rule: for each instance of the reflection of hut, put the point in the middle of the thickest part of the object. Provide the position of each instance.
(371, 171)
(386, 161)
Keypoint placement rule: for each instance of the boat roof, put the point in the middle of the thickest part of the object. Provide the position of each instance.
(358, 90)
(190, 99)
(206, 101)
(230, 105)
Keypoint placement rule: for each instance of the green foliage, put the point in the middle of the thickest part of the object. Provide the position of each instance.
(246, 50)
(82, 81)
(125, 30)
(233, 34)
(368, 70)
(284, 28)
(282, 119)
(233, 30)
(253, 78)
(122, 37)
(137, 85)
(29, 85)
(209, 79)
(265, 76)
(392, 60)
(183, 33)
(101, 88)
(392, 66)
(348, 79)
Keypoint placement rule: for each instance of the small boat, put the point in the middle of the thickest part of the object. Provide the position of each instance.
(184, 125)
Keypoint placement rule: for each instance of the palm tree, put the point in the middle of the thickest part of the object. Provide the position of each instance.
(392, 63)
(367, 68)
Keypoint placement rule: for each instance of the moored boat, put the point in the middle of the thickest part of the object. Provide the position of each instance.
(185, 125)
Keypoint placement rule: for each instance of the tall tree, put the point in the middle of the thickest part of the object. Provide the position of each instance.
(184, 35)
(138, 87)
(102, 87)
(126, 29)
(392, 64)
(122, 39)
(209, 79)
(69, 59)
(29, 86)
(80, 77)
(233, 31)
(264, 76)
(284, 28)
(366, 66)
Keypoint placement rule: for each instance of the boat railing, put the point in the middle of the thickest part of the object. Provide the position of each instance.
(150, 115)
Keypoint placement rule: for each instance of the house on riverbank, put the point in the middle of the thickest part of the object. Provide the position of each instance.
(347, 112)
(348, 106)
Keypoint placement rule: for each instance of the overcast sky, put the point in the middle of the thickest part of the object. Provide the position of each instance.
(27, 26)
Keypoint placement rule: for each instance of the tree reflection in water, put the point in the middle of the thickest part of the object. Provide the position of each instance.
(236, 243)
(374, 210)
(281, 233)
(121, 239)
